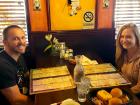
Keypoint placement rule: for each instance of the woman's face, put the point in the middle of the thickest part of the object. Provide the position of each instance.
(128, 39)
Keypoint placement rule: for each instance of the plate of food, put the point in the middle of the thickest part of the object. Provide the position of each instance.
(68, 101)
(114, 96)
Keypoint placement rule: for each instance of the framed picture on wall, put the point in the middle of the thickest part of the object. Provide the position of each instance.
(72, 14)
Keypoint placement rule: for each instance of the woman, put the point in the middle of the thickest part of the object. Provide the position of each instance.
(128, 55)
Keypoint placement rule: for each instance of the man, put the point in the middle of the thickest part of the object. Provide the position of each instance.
(12, 67)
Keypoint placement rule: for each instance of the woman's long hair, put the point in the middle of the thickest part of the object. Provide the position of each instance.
(120, 51)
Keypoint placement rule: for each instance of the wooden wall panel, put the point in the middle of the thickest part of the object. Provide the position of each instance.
(105, 15)
(38, 19)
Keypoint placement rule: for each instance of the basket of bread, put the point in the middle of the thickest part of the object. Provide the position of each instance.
(115, 96)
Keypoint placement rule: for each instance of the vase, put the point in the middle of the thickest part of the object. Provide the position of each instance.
(54, 51)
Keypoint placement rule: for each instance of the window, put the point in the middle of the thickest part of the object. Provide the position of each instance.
(12, 12)
(127, 11)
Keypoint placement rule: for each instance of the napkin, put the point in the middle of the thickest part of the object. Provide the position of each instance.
(86, 61)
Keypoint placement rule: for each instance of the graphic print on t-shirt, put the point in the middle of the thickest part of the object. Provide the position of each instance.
(21, 81)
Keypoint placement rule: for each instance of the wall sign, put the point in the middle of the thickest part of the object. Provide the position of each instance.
(89, 20)
(88, 16)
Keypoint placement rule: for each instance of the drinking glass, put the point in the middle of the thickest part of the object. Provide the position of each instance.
(62, 49)
(83, 89)
(82, 92)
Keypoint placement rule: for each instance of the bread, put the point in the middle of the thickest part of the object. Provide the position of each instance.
(96, 101)
(69, 102)
(104, 95)
(116, 92)
(115, 101)
(124, 99)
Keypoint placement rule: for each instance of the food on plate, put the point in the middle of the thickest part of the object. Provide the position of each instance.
(115, 101)
(104, 95)
(69, 102)
(116, 92)
(115, 97)
(125, 99)
(96, 101)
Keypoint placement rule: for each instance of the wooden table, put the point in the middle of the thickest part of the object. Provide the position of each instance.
(56, 96)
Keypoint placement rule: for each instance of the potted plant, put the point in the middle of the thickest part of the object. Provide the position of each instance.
(53, 44)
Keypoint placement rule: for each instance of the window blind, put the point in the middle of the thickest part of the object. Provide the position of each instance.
(12, 12)
(127, 11)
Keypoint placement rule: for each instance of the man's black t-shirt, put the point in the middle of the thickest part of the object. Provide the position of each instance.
(11, 73)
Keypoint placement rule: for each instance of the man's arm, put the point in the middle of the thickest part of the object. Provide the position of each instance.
(15, 97)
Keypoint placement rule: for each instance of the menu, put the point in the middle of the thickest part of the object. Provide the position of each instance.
(99, 68)
(59, 78)
(50, 79)
(107, 80)
(49, 72)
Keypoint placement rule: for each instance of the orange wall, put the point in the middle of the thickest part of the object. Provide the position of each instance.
(105, 15)
(38, 19)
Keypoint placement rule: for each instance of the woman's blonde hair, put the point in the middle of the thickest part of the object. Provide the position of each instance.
(120, 52)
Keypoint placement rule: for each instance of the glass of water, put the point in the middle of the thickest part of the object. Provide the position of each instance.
(83, 89)
(81, 93)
